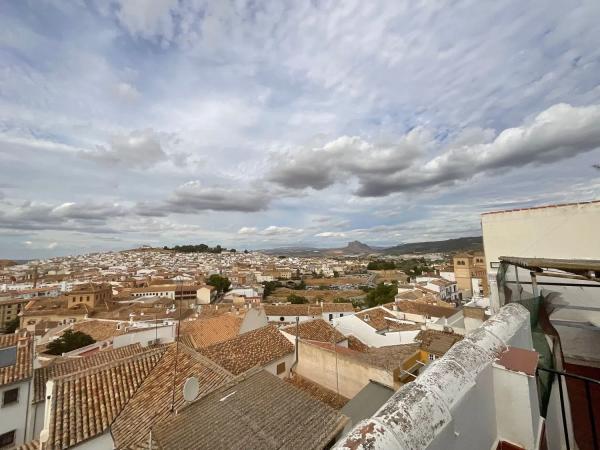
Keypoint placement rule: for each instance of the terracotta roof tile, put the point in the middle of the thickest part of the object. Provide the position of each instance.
(307, 310)
(381, 319)
(152, 402)
(23, 364)
(206, 332)
(388, 358)
(84, 404)
(60, 367)
(425, 309)
(254, 348)
(437, 342)
(315, 330)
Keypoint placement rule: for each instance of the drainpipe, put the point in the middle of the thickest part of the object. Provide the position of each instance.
(534, 285)
(296, 361)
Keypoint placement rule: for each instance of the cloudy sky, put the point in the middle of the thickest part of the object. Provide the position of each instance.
(258, 124)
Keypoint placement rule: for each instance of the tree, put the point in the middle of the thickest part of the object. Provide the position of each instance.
(220, 283)
(381, 294)
(246, 251)
(69, 341)
(300, 286)
(12, 326)
(233, 250)
(296, 299)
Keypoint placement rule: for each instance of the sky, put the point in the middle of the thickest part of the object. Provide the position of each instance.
(259, 124)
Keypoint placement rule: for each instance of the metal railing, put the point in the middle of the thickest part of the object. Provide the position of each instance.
(588, 396)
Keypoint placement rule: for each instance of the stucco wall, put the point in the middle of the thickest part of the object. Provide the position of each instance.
(569, 231)
(319, 365)
(272, 367)
(14, 416)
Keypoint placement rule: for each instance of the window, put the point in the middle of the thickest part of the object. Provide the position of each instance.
(330, 317)
(280, 368)
(341, 314)
(281, 319)
(7, 439)
(432, 357)
(10, 396)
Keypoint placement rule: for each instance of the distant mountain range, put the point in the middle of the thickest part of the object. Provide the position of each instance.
(359, 248)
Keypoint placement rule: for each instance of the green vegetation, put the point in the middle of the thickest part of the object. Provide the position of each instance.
(381, 294)
(11, 326)
(412, 267)
(69, 341)
(381, 265)
(300, 286)
(296, 299)
(269, 287)
(201, 248)
(220, 283)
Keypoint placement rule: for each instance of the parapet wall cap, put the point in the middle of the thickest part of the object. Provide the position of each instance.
(415, 414)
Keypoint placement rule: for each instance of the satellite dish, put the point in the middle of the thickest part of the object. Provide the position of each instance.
(191, 388)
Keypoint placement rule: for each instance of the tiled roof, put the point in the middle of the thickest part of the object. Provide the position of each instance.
(425, 309)
(30, 445)
(259, 412)
(61, 367)
(317, 391)
(306, 309)
(23, 367)
(437, 342)
(389, 357)
(255, 348)
(378, 318)
(356, 344)
(315, 330)
(206, 332)
(84, 404)
(152, 402)
(90, 287)
(337, 307)
(99, 330)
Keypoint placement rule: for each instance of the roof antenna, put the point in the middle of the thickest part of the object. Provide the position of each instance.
(177, 281)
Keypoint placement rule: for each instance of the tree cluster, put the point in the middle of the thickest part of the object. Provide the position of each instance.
(381, 294)
(220, 283)
(296, 299)
(200, 248)
(69, 341)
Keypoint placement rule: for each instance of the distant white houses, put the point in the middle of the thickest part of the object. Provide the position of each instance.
(287, 313)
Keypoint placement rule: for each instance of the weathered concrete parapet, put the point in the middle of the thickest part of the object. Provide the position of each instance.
(415, 415)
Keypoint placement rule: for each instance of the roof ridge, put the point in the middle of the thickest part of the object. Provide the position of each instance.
(196, 355)
(110, 364)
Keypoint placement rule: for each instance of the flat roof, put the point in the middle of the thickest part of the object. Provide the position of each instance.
(558, 205)
(567, 265)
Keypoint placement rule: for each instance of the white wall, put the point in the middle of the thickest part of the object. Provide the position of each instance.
(289, 361)
(352, 325)
(517, 409)
(165, 334)
(554, 232)
(14, 416)
(349, 375)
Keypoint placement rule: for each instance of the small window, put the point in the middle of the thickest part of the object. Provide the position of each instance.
(431, 357)
(280, 368)
(341, 314)
(281, 319)
(10, 396)
(7, 439)
(330, 317)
